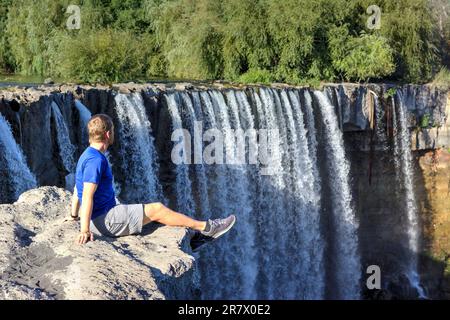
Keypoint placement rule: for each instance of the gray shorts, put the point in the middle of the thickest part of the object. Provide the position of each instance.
(122, 220)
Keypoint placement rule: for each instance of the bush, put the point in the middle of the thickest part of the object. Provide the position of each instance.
(390, 93)
(101, 56)
(31, 24)
(256, 76)
(189, 37)
(442, 79)
(247, 43)
(5, 54)
(411, 30)
(362, 58)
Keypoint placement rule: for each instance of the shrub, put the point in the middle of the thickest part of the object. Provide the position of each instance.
(442, 79)
(390, 93)
(5, 54)
(256, 76)
(363, 58)
(30, 25)
(101, 56)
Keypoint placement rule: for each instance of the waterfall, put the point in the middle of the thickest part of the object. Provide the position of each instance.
(245, 192)
(137, 151)
(403, 156)
(274, 157)
(192, 114)
(345, 244)
(217, 193)
(65, 146)
(85, 116)
(306, 193)
(184, 196)
(240, 199)
(277, 247)
(16, 177)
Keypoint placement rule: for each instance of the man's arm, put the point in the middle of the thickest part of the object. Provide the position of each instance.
(75, 204)
(87, 203)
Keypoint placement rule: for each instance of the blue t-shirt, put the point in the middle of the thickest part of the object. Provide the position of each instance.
(94, 167)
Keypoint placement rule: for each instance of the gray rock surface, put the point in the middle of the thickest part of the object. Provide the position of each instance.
(40, 260)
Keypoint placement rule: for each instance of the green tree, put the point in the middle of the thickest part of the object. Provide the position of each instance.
(6, 63)
(188, 32)
(360, 58)
(409, 27)
(247, 44)
(31, 24)
(295, 41)
(105, 55)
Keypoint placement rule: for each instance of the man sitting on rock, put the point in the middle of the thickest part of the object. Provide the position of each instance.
(99, 212)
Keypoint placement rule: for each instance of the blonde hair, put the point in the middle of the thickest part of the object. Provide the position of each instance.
(98, 126)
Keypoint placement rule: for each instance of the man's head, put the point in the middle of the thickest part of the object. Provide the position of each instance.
(101, 129)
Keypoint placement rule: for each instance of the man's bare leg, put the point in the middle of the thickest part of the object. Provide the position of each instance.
(157, 212)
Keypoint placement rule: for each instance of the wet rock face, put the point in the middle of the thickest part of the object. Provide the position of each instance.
(39, 259)
(427, 113)
(34, 130)
(382, 229)
(434, 167)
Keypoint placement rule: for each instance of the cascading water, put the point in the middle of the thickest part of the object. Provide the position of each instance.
(244, 190)
(306, 193)
(278, 210)
(239, 198)
(218, 193)
(405, 174)
(137, 150)
(345, 244)
(65, 146)
(184, 196)
(15, 177)
(85, 116)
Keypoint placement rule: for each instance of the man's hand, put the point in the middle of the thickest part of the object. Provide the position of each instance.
(70, 218)
(86, 212)
(84, 237)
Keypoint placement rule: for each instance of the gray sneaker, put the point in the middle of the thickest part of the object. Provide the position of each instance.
(218, 227)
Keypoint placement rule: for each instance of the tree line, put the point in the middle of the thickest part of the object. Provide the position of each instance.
(292, 41)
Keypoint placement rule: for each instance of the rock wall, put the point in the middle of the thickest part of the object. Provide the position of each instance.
(378, 199)
(382, 230)
(40, 260)
(434, 168)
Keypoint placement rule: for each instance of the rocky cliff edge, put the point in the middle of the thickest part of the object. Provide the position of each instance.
(40, 260)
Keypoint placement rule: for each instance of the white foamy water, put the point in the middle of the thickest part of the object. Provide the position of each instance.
(277, 247)
(65, 146)
(85, 116)
(139, 159)
(405, 174)
(347, 259)
(19, 176)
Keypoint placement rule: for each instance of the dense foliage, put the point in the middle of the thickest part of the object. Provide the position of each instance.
(294, 41)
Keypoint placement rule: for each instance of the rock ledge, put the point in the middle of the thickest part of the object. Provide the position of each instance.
(39, 259)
